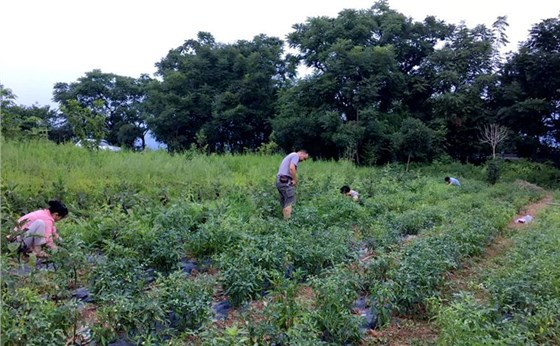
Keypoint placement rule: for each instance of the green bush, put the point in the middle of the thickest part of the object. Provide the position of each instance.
(335, 293)
(30, 319)
(186, 302)
(492, 172)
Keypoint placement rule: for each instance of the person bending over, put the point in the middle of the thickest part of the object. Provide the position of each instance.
(37, 229)
(286, 180)
(452, 181)
(346, 190)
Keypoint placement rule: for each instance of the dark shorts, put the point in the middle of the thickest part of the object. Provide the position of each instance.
(287, 193)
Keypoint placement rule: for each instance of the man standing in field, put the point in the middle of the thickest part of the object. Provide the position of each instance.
(286, 180)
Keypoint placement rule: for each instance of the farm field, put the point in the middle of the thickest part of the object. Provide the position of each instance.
(190, 249)
(512, 298)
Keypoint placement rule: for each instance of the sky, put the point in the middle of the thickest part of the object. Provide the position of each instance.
(44, 42)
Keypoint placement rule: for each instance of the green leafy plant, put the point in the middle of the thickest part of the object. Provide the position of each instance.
(492, 171)
(335, 294)
(30, 319)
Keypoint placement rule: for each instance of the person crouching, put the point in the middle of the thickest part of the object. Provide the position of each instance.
(37, 229)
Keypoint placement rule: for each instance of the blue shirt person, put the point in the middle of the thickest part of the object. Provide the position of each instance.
(452, 181)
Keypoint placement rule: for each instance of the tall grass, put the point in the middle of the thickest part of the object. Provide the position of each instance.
(33, 167)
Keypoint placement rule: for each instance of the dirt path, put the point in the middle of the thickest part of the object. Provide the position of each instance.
(412, 330)
(502, 243)
(531, 209)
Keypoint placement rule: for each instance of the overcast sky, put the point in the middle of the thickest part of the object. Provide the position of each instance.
(48, 41)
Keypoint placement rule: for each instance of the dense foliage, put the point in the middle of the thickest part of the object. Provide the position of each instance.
(378, 88)
(216, 95)
(116, 100)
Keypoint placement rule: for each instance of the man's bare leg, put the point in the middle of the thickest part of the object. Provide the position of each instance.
(287, 212)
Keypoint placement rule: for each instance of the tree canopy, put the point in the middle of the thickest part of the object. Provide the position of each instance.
(219, 95)
(378, 87)
(117, 99)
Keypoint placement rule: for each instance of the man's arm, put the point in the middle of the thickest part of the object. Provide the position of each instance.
(293, 173)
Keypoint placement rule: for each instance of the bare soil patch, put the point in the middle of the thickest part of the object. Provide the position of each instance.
(403, 331)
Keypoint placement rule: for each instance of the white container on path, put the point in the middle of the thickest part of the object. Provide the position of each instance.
(524, 219)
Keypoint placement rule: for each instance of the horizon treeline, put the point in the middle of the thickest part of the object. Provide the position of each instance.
(378, 87)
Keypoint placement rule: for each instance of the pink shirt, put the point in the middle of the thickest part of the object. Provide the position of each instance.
(45, 215)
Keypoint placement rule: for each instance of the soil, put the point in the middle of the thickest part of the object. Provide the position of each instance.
(403, 331)
(254, 311)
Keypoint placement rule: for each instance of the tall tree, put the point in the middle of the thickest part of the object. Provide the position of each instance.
(117, 99)
(86, 124)
(364, 80)
(19, 121)
(353, 66)
(10, 122)
(414, 141)
(493, 135)
(464, 71)
(218, 94)
(529, 100)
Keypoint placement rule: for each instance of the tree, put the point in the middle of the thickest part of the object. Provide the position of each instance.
(355, 64)
(493, 134)
(222, 93)
(34, 121)
(365, 79)
(464, 72)
(7, 97)
(303, 123)
(10, 121)
(414, 140)
(85, 123)
(528, 101)
(117, 99)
